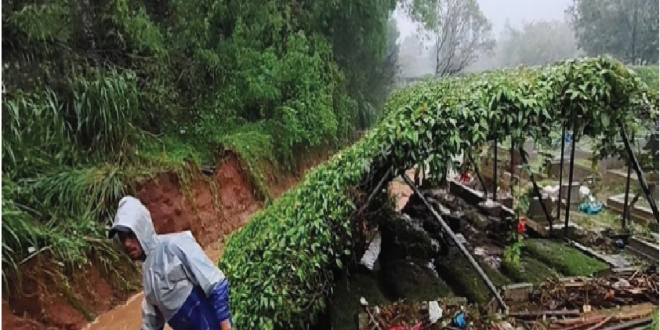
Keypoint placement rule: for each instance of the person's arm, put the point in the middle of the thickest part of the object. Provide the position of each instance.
(152, 319)
(203, 273)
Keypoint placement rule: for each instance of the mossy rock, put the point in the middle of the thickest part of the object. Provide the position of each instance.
(464, 280)
(565, 259)
(413, 281)
(401, 239)
(530, 270)
(345, 302)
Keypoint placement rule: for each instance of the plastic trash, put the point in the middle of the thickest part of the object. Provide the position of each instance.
(584, 192)
(552, 191)
(371, 255)
(435, 312)
(568, 137)
(459, 320)
(620, 244)
(591, 208)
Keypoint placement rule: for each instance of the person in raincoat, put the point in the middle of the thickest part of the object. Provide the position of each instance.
(182, 286)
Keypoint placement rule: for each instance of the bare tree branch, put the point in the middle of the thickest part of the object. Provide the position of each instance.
(462, 34)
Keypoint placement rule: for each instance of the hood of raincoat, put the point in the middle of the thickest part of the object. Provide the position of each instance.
(133, 216)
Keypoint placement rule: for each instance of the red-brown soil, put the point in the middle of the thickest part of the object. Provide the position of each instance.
(220, 205)
(217, 208)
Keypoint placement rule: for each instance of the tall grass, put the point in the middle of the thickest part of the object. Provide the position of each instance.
(63, 156)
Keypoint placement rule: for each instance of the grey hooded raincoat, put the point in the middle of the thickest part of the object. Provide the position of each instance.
(182, 286)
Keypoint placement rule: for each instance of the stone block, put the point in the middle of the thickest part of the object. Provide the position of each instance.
(639, 214)
(506, 201)
(517, 292)
(580, 172)
(535, 211)
(575, 192)
(491, 208)
(643, 248)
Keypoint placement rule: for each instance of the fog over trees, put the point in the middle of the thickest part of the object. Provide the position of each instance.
(472, 36)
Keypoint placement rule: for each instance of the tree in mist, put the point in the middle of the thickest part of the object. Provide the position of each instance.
(415, 58)
(625, 29)
(387, 77)
(462, 34)
(536, 43)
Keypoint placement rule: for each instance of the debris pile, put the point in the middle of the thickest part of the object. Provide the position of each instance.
(626, 317)
(598, 303)
(565, 304)
(602, 292)
(447, 313)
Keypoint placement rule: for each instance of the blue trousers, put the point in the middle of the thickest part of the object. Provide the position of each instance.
(200, 312)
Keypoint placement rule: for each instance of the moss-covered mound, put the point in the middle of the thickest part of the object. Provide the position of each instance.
(568, 260)
(281, 264)
(530, 270)
(465, 281)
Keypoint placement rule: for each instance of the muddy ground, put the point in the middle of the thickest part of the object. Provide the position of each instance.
(211, 208)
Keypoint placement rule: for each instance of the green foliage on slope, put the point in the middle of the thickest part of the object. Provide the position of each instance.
(97, 93)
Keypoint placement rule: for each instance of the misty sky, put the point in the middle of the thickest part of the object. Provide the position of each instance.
(499, 10)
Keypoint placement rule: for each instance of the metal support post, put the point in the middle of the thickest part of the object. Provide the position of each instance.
(453, 237)
(570, 178)
(511, 152)
(495, 173)
(537, 190)
(626, 207)
(561, 161)
(640, 174)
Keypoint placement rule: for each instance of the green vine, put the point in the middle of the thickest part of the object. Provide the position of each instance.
(513, 252)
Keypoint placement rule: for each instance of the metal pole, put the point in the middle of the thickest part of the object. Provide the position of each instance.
(495, 173)
(380, 184)
(640, 175)
(537, 191)
(561, 161)
(626, 207)
(476, 170)
(462, 248)
(511, 151)
(570, 178)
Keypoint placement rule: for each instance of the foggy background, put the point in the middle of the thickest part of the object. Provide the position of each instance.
(498, 11)
(525, 32)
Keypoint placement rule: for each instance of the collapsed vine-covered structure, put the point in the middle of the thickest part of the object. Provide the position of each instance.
(281, 264)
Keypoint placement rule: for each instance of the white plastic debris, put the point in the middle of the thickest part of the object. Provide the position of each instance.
(551, 191)
(435, 312)
(32, 249)
(371, 255)
(363, 302)
(479, 251)
(584, 192)
(621, 283)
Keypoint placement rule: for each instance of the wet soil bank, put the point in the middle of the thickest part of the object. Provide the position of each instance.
(48, 296)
